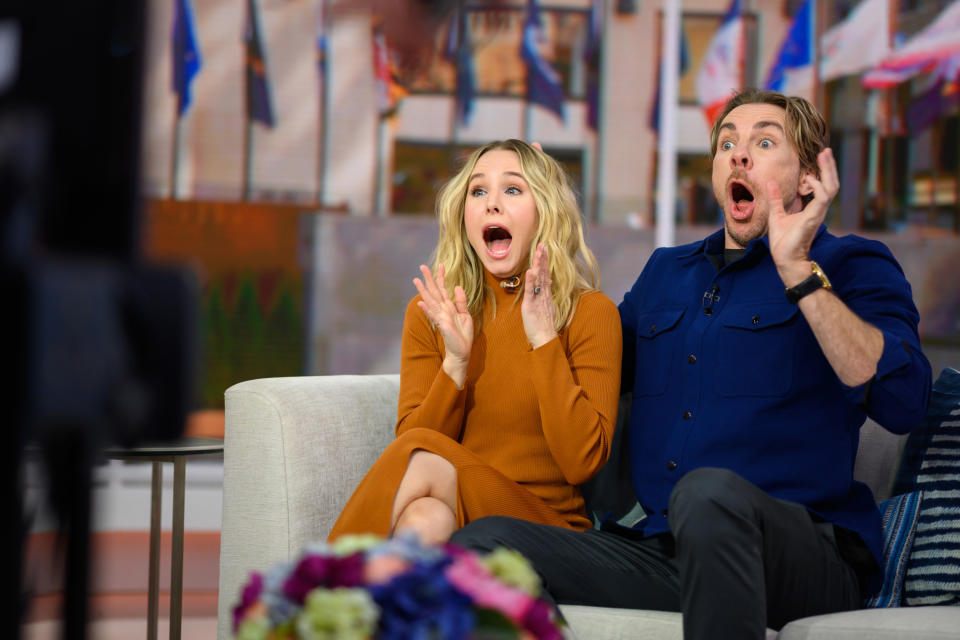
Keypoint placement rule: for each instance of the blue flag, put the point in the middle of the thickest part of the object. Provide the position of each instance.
(796, 51)
(259, 106)
(322, 55)
(941, 97)
(459, 51)
(543, 82)
(186, 53)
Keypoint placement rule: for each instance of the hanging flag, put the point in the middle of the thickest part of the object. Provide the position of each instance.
(857, 43)
(591, 60)
(684, 66)
(459, 51)
(389, 89)
(938, 41)
(259, 106)
(942, 96)
(880, 78)
(186, 54)
(721, 73)
(544, 85)
(792, 73)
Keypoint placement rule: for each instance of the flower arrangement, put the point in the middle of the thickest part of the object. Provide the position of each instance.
(365, 587)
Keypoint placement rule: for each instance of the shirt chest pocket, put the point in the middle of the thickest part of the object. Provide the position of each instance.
(657, 345)
(756, 349)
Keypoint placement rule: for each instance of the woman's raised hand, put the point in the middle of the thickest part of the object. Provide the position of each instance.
(537, 308)
(451, 318)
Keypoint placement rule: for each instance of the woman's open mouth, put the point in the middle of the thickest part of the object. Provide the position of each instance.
(497, 239)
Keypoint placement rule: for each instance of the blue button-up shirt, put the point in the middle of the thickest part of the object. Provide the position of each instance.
(725, 372)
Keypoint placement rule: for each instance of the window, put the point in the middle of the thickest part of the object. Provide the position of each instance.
(495, 35)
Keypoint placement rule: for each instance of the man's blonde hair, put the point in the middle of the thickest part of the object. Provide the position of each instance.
(572, 266)
(805, 127)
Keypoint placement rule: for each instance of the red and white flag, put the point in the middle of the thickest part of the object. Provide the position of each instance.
(857, 43)
(938, 41)
(721, 73)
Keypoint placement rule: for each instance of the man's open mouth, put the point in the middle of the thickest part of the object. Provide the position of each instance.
(497, 240)
(740, 193)
(741, 198)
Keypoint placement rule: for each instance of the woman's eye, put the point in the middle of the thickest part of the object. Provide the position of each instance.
(766, 144)
(477, 192)
(726, 145)
(514, 191)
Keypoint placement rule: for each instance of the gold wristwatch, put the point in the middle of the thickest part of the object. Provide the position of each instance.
(816, 280)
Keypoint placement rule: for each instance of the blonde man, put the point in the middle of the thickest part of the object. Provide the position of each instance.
(753, 358)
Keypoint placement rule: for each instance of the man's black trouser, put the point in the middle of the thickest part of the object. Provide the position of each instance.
(738, 561)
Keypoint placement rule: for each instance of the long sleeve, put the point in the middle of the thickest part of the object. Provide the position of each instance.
(869, 280)
(578, 391)
(428, 397)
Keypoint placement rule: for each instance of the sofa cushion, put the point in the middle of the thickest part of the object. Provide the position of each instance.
(931, 462)
(591, 623)
(899, 527)
(625, 624)
(895, 623)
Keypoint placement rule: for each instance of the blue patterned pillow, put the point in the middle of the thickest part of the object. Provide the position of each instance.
(931, 462)
(899, 526)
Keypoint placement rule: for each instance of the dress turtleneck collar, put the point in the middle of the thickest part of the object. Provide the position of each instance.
(499, 288)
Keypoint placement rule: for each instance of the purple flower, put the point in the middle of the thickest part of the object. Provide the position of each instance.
(249, 596)
(539, 621)
(323, 571)
(347, 571)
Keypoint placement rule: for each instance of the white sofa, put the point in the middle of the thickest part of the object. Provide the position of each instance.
(296, 448)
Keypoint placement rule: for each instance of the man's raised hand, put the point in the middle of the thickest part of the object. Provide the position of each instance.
(791, 234)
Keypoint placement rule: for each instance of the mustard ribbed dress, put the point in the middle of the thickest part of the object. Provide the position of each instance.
(528, 426)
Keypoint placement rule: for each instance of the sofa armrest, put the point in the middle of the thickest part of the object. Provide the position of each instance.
(294, 451)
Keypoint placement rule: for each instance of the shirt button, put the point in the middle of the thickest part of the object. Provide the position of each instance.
(687, 415)
(653, 329)
(691, 358)
(663, 512)
(708, 311)
(755, 319)
(671, 466)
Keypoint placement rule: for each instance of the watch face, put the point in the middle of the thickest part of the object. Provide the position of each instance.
(817, 271)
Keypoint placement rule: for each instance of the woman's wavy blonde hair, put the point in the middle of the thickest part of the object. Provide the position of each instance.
(572, 266)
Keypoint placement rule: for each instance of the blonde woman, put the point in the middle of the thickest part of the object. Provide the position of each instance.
(510, 370)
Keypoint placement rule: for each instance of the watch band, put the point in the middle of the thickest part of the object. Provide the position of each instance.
(816, 280)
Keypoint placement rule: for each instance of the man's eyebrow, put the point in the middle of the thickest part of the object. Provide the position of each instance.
(763, 124)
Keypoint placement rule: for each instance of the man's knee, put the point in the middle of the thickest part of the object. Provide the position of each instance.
(488, 533)
(705, 495)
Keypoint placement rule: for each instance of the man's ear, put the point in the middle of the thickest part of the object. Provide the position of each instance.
(804, 188)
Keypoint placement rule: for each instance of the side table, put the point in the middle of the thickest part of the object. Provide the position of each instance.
(175, 451)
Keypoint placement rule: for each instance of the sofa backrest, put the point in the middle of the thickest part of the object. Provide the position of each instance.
(878, 458)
